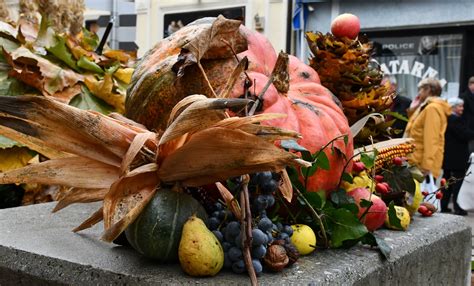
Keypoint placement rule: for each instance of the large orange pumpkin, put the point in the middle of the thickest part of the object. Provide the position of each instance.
(311, 108)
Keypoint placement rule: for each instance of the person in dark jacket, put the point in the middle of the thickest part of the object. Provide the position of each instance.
(456, 154)
(468, 115)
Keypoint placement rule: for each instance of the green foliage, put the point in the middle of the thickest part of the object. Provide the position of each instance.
(59, 50)
(392, 216)
(368, 158)
(87, 64)
(400, 179)
(86, 100)
(343, 226)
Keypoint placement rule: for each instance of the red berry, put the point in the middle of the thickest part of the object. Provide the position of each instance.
(422, 209)
(358, 167)
(425, 193)
(397, 161)
(439, 195)
(378, 178)
(381, 188)
(443, 182)
(427, 213)
(387, 185)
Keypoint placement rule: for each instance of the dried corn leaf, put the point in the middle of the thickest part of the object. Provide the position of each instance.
(199, 115)
(103, 89)
(286, 188)
(239, 69)
(215, 154)
(125, 193)
(78, 195)
(127, 122)
(183, 104)
(31, 142)
(237, 122)
(270, 133)
(66, 128)
(70, 171)
(146, 194)
(134, 149)
(230, 201)
(91, 221)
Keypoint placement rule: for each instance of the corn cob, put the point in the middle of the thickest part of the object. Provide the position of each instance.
(386, 155)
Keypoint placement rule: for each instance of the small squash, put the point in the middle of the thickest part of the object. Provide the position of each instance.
(157, 231)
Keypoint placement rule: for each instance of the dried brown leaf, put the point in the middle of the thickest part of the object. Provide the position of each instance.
(103, 89)
(183, 104)
(230, 201)
(32, 143)
(239, 69)
(146, 194)
(286, 188)
(199, 115)
(71, 171)
(66, 128)
(125, 193)
(215, 154)
(135, 147)
(78, 195)
(91, 221)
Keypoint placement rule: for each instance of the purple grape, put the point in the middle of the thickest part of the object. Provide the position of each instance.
(259, 251)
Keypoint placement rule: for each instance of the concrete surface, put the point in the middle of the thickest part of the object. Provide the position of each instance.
(38, 248)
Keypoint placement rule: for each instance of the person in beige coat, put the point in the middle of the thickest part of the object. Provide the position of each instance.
(427, 126)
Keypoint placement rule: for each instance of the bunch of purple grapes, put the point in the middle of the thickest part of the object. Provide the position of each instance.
(226, 228)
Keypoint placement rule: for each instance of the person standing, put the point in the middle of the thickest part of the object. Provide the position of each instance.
(427, 126)
(456, 154)
(468, 115)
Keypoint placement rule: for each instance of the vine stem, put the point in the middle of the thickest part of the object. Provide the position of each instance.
(315, 215)
(317, 155)
(246, 229)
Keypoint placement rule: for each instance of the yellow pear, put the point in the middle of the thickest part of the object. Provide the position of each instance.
(200, 252)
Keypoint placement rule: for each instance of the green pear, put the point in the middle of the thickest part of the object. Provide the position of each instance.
(200, 252)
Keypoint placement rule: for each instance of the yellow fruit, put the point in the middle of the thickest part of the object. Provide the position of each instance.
(413, 201)
(200, 253)
(303, 238)
(403, 215)
(360, 181)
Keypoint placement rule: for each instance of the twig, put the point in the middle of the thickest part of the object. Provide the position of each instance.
(315, 215)
(207, 80)
(246, 229)
(236, 57)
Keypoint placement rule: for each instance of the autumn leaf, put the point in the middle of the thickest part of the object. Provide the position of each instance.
(103, 89)
(14, 158)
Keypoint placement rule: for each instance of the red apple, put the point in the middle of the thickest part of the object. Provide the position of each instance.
(377, 213)
(346, 25)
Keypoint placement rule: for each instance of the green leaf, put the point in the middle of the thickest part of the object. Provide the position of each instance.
(11, 86)
(340, 197)
(347, 177)
(344, 226)
(7, 142)
(87, 64)
(395, 115)
(352, 207)
(294, 178)
(374, 240)
(392, 216)
(60, 51)
(315, 199)
(322, 161)
(90, 41)
(368, 159)
(400, 179)
(365, 203)
(346, 140)
(86, 100)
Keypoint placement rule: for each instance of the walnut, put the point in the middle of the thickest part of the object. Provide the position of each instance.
(276, 258)
(292, 253)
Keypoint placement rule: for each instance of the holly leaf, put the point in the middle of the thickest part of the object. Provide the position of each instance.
(400, 179)
(392, 216)
(87, 101)
(343, 226)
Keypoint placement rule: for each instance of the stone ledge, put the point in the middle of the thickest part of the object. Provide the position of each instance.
(38, 248)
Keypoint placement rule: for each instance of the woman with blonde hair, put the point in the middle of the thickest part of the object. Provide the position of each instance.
(427, 125)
